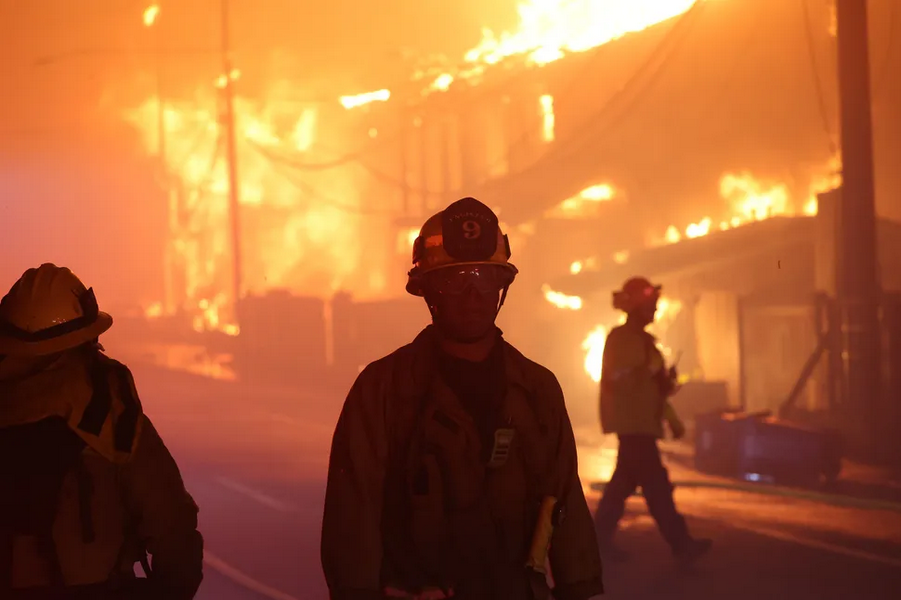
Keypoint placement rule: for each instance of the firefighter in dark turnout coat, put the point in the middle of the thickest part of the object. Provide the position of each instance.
(453, 466)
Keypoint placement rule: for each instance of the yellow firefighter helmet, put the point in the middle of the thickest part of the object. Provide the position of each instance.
(49, 310)
(465, 233)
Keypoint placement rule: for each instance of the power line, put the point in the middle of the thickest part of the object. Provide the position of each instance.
(341, 161)
(527, 136)
(585, 132)
(817, 80)
(288, 162)
(665, 51)
(667, 45)
(312, 193)
(580, 132)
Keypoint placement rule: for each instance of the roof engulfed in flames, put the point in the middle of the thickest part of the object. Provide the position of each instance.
(748, 199)
(329, 242)
(548, 30)
(751, 200)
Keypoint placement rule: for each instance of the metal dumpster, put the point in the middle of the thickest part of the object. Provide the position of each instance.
(760, 447)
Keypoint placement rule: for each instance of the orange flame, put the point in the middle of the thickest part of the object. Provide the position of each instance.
(561, 300)
(546, 102)
(596, 340)
(300, 241)
(150, 15)
(547, 31)
(751, 200)
(583, 203)
(350, 102)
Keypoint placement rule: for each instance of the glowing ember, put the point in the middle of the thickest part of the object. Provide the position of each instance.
(222, 80)
(698, 229)
(561, 300)
(350, 102)
(154, 310)
(621, 257)
(546, 102)
(150, 15)
(597, 193)
(443, 82)
(672, 235)
(583, 203)
(581, 265)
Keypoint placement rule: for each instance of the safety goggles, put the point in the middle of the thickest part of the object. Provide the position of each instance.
(454, 281)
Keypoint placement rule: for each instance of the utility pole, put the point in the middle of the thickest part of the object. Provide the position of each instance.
(858, 280)
(151, 17)
(404, 158)
(232, 160)
(151, 21)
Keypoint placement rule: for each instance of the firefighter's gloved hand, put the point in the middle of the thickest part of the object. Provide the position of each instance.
(674, 385)
(673, 373)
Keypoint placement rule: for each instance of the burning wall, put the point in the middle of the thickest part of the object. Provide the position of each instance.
(432, 148)
(308, 231)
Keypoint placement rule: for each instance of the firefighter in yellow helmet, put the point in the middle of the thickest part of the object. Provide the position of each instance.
(88, 487)
(453, 465)
(635, 389)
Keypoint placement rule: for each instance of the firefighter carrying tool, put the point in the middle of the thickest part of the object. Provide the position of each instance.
(635, 389)
(453, 468)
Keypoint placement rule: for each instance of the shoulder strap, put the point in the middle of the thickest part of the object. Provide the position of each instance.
(103, 372)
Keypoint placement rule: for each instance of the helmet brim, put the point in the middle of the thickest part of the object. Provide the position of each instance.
(414, 278)
(12, 346)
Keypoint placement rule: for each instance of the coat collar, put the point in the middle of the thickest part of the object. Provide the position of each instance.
(425, 355)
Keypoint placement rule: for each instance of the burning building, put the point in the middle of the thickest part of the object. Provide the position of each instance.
(599, 131)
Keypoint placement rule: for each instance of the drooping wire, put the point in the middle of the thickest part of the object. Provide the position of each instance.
(310, 192)
(665, 52)
(817, 80)
(587, 131)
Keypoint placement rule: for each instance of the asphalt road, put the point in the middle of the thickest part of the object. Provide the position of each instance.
(255, 463)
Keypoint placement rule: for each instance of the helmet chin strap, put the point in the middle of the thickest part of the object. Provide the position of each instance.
(433, 310)
(503, 297)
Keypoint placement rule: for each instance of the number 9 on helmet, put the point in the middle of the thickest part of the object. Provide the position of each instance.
(466, 233)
